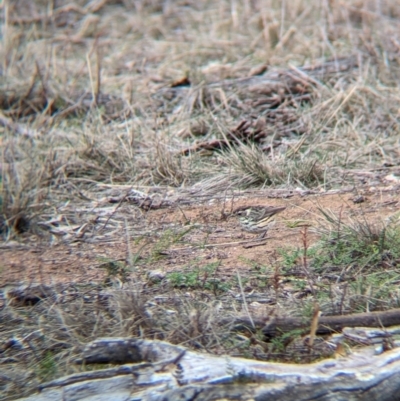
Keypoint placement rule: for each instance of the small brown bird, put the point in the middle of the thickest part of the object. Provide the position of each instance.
(257, 219)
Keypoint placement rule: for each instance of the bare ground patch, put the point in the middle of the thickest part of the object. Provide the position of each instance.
(172, 238)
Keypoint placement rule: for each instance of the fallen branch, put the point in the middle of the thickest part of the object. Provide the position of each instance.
(245, 132)
(332, 324)
(166, 372)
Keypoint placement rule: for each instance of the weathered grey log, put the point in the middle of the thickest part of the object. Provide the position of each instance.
(168, 372)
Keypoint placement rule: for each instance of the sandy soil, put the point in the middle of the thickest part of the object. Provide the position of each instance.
(210, 237)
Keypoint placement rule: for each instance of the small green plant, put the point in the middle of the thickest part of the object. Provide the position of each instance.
(277, 344)
(115, 269)
(167, 238)
(280, 342)
(293, 256)
(47, 367)
(184, 279)
(202, 277)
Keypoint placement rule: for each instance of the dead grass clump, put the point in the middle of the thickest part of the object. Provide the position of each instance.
(176, 320)
(97, 152)
(251, 167)
(133, 314)
(45, 336)
(199, 324)
(168, 168)
(24, 186)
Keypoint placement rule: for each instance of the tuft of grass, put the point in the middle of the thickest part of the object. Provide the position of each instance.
(169, 168)
(249, 166)
(26, 173)
(76, 314)
(47, 367)
(357, 243)
(354, 267)
(199, 277)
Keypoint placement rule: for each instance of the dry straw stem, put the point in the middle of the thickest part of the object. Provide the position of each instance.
(314, 325)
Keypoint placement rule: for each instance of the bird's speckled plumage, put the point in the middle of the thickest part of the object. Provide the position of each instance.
(257, 219)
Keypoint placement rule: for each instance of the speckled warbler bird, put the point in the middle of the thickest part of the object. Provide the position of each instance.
(257, 219)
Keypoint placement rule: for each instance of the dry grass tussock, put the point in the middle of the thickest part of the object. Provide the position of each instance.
(251, 167)
(51, 327)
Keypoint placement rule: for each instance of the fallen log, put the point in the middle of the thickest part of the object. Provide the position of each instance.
(332, 324)
(167, 372)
